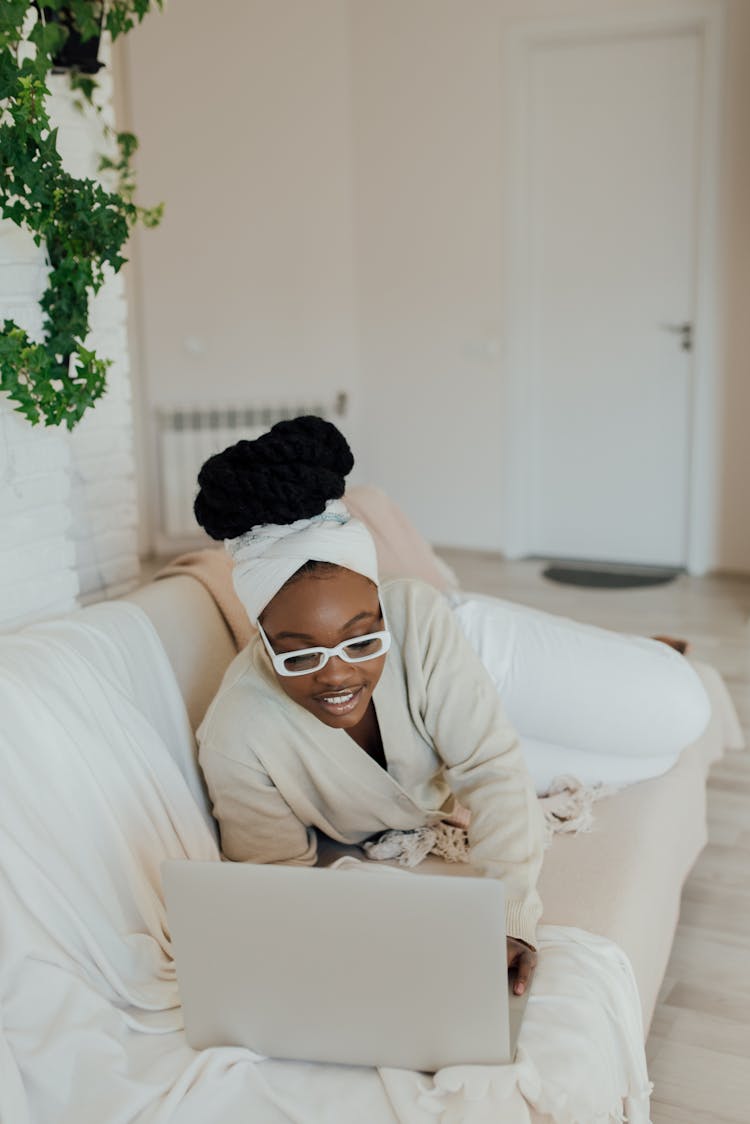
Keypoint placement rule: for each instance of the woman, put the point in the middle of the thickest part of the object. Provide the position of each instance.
(358, 708)
(362, 708)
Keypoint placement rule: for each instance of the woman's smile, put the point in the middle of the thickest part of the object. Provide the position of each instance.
(340, 702)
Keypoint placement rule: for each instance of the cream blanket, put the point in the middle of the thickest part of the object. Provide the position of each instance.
(99, 787)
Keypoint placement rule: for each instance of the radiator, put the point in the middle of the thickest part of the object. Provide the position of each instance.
(189, 436)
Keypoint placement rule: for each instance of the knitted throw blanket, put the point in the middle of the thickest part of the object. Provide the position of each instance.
(567, 807)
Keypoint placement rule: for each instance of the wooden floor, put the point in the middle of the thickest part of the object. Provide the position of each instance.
(699, 1046)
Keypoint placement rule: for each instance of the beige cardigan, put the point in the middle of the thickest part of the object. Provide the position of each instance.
(275, 772)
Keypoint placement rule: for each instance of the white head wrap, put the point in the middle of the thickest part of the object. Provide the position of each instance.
(266, 556)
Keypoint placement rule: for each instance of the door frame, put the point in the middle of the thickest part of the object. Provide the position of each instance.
(707, 19)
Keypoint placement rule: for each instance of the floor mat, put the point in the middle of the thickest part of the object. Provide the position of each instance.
(608, 576)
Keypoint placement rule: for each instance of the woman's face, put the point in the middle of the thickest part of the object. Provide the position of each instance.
(322, 609)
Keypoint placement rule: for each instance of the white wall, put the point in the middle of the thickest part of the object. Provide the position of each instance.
(428, 198)
(246, 291)
(430, 176)
(68, 514)
(734, 535)
(342, 166)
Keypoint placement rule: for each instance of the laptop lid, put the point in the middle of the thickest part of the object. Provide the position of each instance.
(362, 968)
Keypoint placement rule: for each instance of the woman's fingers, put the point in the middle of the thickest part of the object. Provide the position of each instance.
(524, 966)
(523, 959)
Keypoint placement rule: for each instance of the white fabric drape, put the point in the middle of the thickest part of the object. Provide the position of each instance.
(99, 787)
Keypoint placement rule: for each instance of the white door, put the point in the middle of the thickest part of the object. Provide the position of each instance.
(613, 148)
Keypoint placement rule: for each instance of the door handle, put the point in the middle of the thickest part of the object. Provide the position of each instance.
(684, 331)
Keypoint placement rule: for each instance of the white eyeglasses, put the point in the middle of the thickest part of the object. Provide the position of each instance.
(306, 660)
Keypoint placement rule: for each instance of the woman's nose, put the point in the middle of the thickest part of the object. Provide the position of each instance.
(336, 673)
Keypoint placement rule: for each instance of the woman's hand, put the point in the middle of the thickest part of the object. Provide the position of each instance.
(522, 957)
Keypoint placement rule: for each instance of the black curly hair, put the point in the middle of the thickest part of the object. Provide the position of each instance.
(286, 474)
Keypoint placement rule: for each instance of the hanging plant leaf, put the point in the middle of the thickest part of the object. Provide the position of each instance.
(83, 225)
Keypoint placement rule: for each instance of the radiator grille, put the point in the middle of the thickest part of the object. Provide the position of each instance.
(188, 436)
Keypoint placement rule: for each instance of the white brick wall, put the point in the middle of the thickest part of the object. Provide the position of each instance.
(37, 556)
(68, 513)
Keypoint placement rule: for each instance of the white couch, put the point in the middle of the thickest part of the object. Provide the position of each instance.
(80, 815)
(623, 880)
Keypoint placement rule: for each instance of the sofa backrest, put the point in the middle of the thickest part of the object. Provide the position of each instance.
(194, 634)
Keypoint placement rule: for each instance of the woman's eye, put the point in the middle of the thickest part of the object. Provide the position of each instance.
(362, 646)
(296, 663)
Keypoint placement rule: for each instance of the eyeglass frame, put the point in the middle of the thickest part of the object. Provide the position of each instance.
(277, 658)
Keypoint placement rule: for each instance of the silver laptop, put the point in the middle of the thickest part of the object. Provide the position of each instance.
(376, 968)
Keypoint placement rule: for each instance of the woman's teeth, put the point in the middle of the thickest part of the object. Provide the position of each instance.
(341, 704)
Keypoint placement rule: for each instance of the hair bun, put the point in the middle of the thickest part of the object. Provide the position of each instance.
(286, 474)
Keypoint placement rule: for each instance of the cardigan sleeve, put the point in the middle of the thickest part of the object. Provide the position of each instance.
(483, 766)
(256, 823)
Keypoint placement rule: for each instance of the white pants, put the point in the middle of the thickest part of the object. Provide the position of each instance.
(603, 706)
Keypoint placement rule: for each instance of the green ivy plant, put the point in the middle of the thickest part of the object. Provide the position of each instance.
(83, 225)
